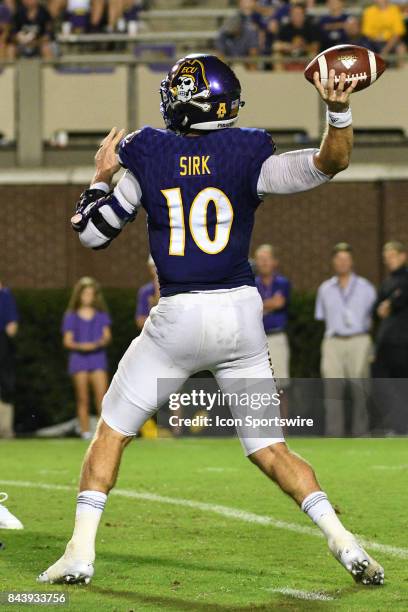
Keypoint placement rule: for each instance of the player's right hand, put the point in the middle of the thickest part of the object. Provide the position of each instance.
(106, 160)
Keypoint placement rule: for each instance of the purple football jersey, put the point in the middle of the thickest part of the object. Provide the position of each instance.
(200, 195)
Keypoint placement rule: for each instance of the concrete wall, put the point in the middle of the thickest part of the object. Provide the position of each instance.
(7, 102)
(95, 101)
(284, 101)
(384, 104)
(91, 101)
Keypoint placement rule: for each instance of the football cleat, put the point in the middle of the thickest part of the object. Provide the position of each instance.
(8, 520)
(357, 561)
(68, 570)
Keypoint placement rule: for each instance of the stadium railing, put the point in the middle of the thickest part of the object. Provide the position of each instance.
(165, 36)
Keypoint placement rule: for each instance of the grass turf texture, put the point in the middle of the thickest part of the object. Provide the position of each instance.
(156, 556)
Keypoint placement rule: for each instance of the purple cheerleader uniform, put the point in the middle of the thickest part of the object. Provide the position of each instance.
(86, 331)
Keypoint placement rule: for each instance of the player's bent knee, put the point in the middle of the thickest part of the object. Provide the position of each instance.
(112, 432)
(122, 415)
(106, 434)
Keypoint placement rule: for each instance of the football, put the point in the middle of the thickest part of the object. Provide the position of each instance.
(356, 62)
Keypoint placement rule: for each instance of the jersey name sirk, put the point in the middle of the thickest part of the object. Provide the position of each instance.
(200, 195)
(193, 165)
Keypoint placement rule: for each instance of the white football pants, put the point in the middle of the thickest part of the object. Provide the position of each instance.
(220, 331)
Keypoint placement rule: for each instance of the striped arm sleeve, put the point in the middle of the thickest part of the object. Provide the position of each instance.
(112, 214)
(290, 172)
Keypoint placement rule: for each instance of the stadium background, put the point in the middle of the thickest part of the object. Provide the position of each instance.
(52, 115)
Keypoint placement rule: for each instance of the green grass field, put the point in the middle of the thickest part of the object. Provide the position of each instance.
(157, 552)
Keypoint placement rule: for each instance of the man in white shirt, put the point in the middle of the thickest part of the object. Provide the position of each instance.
(344, 303)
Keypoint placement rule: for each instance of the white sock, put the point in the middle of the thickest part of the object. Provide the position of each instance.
(90, 505)
(319, 509)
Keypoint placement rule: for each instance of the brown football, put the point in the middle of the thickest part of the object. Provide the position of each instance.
(356, 62)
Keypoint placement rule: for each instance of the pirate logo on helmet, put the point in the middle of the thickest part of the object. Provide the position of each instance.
(190, 84)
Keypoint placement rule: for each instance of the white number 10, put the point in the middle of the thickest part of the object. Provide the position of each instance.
(198, 220)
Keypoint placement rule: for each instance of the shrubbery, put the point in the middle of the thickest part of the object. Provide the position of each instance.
(44, 392)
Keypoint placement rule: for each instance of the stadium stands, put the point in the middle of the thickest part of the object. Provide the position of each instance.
(55, 26)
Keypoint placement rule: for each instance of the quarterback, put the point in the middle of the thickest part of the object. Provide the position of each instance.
(200, 181)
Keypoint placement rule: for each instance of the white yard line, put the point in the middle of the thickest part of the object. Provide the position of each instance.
(309, 595)
(234, 513)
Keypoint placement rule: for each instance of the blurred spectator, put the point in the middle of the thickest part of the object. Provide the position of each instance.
(383, 25)
(86, 333)
(281, 15)
(332, 26)
(267, 8)
(296, 39)
(239, 36)
(78, 16)
(5, 26)
(392, 308)
(391, 360)
(8, 330)
(148, 296)
(274, 290)
(249, 11)
(344, 303)
(354, 35)
(31, 30)
(123, 15)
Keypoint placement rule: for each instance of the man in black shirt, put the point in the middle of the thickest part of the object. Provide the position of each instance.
(31, 30)
(391, 361)
(297, 38)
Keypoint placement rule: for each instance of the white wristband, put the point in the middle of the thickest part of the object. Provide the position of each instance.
(101, 186)
(339, 120)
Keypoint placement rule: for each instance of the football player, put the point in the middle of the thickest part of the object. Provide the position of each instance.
(8, 520)
(200, 181)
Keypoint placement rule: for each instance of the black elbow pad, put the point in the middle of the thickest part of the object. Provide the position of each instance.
(103, 226)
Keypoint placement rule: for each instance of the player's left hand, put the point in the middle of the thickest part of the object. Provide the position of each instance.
(106, 160)
(337, 100)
